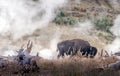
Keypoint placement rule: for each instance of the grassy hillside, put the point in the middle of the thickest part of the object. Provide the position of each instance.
(100, 13)
(91, 9)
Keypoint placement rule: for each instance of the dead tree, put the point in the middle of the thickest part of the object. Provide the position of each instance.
(23, 58)
(20, 55)
(28, 63)
(26, 59)
(29, 46)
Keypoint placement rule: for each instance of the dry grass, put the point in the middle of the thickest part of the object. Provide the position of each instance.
(75, 66)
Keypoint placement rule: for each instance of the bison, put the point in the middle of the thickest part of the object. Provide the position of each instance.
(89, 50)
(79, 44)
(27, 62)
(70, 47)
(64, 47)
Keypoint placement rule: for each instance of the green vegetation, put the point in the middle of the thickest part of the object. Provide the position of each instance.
(61, 19)
(103, 24)
(106, 35)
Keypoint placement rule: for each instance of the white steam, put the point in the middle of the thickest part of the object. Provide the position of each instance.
(84, 27)
(115, 46)
(8, 53)
(116, 28)
(51, 53)
(18, 18)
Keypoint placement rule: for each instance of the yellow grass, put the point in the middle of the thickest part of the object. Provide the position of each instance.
(74, 66)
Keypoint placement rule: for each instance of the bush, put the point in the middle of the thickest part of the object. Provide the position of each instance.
(62, 19)
(71, 21)
(106, 35)
(103, 24)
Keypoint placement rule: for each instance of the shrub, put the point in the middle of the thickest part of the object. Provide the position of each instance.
(106, 35)
(58, 18)
(103, 24)
(71, 21)
(62, 19)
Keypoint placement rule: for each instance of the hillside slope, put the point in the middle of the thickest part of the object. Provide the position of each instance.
(92, 8)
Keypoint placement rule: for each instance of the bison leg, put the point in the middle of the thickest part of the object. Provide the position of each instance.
(88, 52)
(84, 51)
(61, 53)
(72, 52)
(93, 52)
(58, 56)
(69, 52)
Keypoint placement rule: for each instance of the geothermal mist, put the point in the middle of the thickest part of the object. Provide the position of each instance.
(115, 46)
(51, 52)
(84, 27)
(23, 17)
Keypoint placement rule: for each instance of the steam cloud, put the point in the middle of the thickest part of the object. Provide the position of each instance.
(84, 27)
(51, 52)
(23, 17)
(115, 46)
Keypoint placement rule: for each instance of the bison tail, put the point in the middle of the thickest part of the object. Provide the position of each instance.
(57, 50)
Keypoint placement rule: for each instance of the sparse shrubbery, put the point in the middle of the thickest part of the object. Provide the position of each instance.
(106, 35)
(62, 19)
(103, 24)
